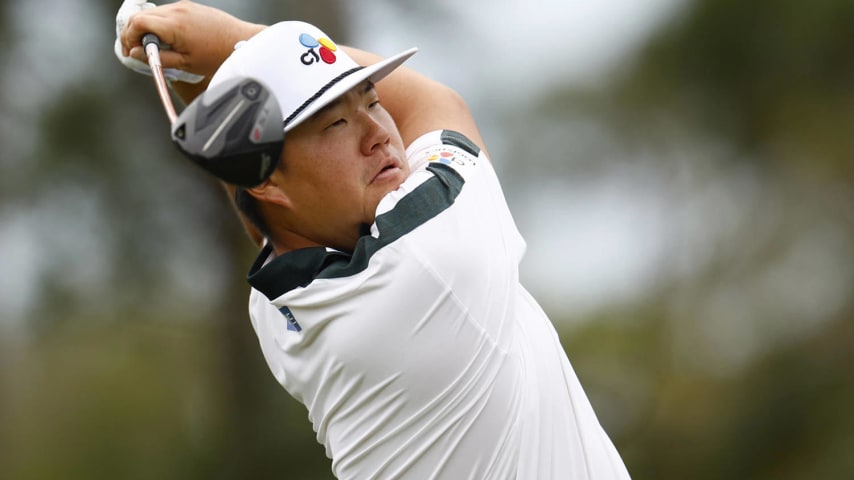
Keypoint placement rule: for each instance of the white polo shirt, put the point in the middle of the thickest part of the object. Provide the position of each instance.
(421, 355)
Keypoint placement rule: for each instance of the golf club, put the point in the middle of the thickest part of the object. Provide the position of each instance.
(234, 130)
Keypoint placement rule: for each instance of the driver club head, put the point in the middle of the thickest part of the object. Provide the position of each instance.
(234, 131)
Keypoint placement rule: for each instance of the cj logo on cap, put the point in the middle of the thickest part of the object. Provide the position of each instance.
(322, 49)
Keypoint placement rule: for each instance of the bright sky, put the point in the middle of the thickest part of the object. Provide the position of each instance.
(515, 43)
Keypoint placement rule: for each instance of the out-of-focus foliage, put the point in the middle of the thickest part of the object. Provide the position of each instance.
(772, 77)
(150, 399)
(138, 360)
(736, 364)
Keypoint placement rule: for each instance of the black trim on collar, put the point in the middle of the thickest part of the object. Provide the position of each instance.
(289, 270)
(300, 267)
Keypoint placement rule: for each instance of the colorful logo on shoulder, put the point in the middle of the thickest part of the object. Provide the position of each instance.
(322, 49)
(455, 157)
(445, 157)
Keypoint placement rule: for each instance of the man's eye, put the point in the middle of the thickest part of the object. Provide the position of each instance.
(337, 123)
(374, 104)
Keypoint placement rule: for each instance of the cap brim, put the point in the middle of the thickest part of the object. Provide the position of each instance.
(374, 73)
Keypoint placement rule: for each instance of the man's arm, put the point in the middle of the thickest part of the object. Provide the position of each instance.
(202, 37)
(420, 104)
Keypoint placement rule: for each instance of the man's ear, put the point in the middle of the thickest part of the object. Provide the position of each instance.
(270, 192)
(250, 228)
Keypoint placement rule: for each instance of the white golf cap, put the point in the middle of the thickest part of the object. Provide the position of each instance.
(302, 67)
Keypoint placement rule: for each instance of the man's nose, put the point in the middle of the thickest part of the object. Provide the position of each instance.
(375, 134)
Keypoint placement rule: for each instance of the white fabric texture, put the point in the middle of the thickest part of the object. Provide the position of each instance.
(433, 361)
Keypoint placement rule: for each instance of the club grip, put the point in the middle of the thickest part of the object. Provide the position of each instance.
(150, 38)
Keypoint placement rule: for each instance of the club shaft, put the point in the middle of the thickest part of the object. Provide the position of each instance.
(152, 51)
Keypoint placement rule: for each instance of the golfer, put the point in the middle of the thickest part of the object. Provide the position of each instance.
(386, 294)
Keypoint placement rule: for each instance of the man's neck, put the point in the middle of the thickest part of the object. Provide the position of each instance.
(285, 242)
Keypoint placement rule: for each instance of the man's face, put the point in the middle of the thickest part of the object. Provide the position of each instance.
(338, 164)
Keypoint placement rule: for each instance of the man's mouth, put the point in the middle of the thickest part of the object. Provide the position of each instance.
(389, 170)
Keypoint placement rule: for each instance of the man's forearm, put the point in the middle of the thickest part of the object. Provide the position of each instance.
(187, 92)
(418, 103)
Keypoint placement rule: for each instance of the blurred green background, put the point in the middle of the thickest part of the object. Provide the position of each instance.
(682, 170)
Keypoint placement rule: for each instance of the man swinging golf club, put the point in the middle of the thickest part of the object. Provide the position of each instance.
(386, 297)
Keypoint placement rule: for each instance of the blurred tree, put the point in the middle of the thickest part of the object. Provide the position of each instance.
(774, 77)
(736, 367)
(138, 247)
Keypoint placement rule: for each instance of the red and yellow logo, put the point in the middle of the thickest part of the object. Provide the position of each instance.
(318, 49)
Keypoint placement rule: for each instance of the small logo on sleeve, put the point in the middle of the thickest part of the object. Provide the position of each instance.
(318, 49)
(461, 161)
(291, 320)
